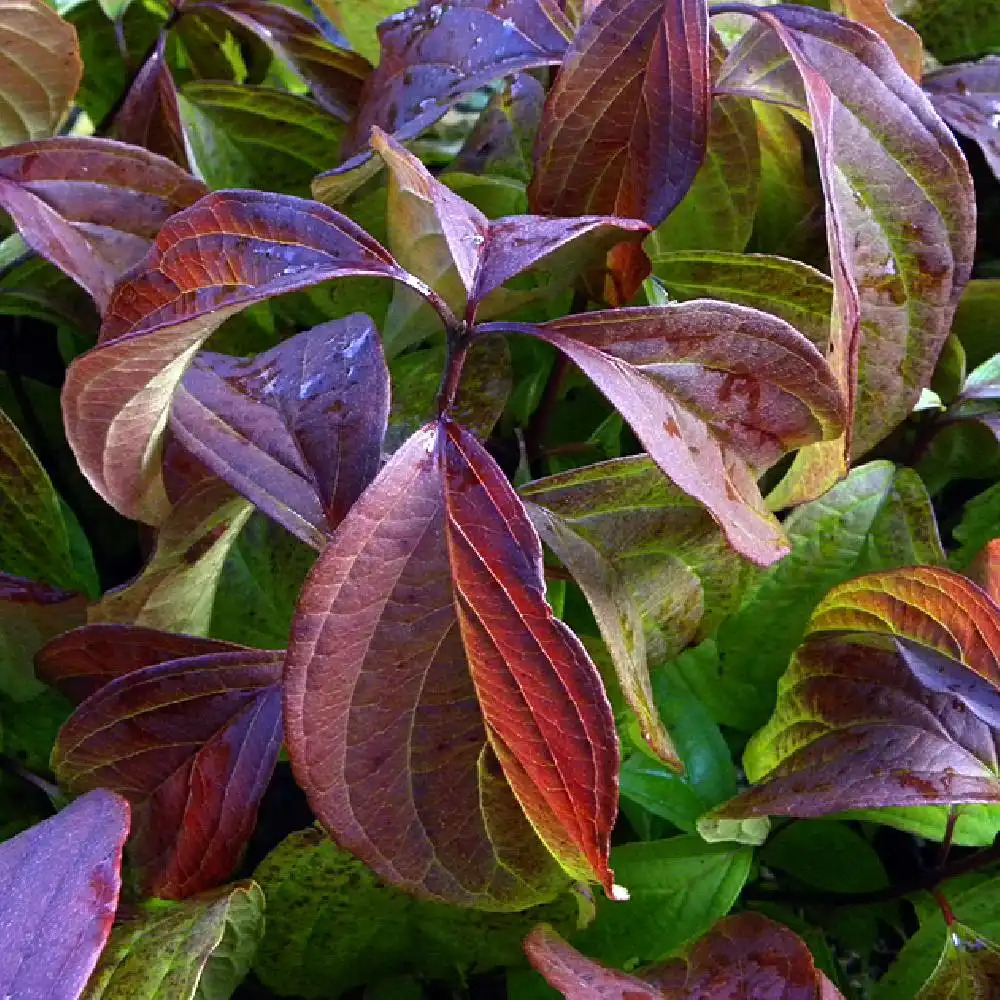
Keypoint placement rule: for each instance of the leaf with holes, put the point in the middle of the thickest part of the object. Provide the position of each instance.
(59, 885)
(230, 250)
(298, 429)
(191, 743)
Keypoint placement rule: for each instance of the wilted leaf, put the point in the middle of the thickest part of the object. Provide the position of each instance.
(191, 743)
(332, 926)
(898, 35)
(199, 949)
(716, 393)
(899, 215)
(40, 69)
(298, 429)
(176, 588)
(209, 263)
(31, 614)
(149, 115)
(625, 126)
(39, 538)
(399, 575)
(59, 885)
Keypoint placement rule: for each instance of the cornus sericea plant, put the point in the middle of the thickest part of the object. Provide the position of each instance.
(499, 497)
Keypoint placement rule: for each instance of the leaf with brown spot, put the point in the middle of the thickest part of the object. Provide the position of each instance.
(298, 429)
(40, 70)
(191, 743)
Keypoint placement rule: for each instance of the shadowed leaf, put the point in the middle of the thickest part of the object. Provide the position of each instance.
(59, 885)
(199, 948)
(716, 393)
(191, 743)
(91, 206)
(969, 967)
(227, 252)
(40, 69)
(297, 430)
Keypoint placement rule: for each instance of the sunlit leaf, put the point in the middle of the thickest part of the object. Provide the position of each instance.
(59, 885)
(40, 70)
(899, 36)
(191, 743)
(358, 21)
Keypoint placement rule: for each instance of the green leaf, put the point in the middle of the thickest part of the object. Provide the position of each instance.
(977, 320)
(827, 856)
(874, 519)
(493, 195)
(244, 136)
(357, 19)
(31, 286)
(679, 888)
(198, 949)
(331, 925)
(977, 825)
(39, 537)
(980, 524)
(799, 294)
(969, 968)
(30, 727)
(956, 29)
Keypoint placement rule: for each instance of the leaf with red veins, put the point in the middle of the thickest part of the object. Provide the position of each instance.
(228, 251)
(91, 206)
(191, 743)
(59, 884)
(716, 393)
(80, 662)
(298, 429)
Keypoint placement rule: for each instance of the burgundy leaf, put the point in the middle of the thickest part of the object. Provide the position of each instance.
(82, 661)
(91, 206)
(966, 96)
(297, 430)
(716, 393)
(208, 263)
(59, 885)
(625, 126)
(191, 743)
(335, 76)
(434, 53)
(150, 116)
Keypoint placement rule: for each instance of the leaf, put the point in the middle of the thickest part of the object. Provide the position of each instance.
(230, 250)
(965, 96)
(149, 115)
(30, 614)
(875, 519)
(969, 967)
(898, 35)
(693, 382)
(177, 585)
(358, 22)
(332, 926)
(384, 596)
(678, 887)
(245, 136)
(199, 948)
(899, 215)
(985, 569)
(957, 29)
(298, 429)
(40, 70)
(91, 206)
(39, 540)
(191, 743)
(794, 292)
(59, 886)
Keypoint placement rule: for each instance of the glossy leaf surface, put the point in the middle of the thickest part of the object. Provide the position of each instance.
(91, 206)
(198, 948)
(227, 252)
(191, 743)
(40, 70)
(59, 885)
(298, 429)
(715, 392)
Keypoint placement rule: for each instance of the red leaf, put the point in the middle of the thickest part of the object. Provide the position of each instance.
(150, 116)
(985, 569)
(91, 206)
(208, 263)
(59, 885)
(625, 126)
(716, 393)
(405, 781)
(82, 661)
(298, 430)
(191, 743)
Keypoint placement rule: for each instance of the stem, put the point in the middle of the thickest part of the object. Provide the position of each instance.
(458, 349)
(542, 417)
(18, 770)
(949, 834)
(949, 917)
